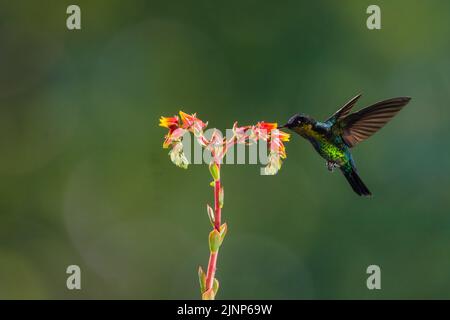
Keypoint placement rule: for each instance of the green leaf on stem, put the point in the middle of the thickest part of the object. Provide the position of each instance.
(202, 279)
(215, 172)
(223, 232)
(221, 195)
(215, 286)
(214, 241)
(210, 214)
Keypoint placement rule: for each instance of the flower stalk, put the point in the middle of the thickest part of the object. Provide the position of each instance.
(215, 236)
(209, 285)
(217, 205)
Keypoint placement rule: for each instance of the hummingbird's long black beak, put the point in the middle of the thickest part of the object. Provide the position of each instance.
(283, 126)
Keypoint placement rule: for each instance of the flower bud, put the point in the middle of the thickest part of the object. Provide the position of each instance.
(177, 156)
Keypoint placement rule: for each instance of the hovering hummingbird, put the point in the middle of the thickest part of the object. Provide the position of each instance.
(334, 138)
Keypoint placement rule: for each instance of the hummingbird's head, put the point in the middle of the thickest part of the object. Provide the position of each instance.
(297, 120)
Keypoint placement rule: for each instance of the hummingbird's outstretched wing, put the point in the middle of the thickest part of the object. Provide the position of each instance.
(360, 125)
(342, 112)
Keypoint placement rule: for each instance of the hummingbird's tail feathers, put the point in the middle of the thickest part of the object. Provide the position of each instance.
(355, 181)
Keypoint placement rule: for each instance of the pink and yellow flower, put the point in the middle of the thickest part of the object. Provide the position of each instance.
(262, 130)
(190, 121)
(240, 133)
(173, 136)
(267, 126)
(277, 138)
(217, 145)
(170, 123)
(283, 136)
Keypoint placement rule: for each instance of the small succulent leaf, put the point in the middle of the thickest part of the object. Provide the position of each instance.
(221, 197)
(202, 279)
(214, 241)
(214, 169)
(215, 286)
(223, 232)
(210, 214)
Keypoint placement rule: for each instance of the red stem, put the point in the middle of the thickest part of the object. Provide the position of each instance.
(211, 270)
(217, 209)
(210, 274)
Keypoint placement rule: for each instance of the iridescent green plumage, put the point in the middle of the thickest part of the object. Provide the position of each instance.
(334, 138)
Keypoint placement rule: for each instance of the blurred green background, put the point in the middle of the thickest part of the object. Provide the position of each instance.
(84, 179)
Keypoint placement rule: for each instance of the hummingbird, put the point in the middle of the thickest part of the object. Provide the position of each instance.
(334, 138)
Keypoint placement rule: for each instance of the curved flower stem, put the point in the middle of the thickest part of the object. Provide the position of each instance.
(210, 274)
